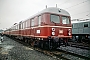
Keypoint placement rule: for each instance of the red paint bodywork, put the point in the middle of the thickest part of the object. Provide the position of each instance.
(45, 28)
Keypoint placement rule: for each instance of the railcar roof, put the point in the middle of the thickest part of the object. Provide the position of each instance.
(50, 10)
(53, 10)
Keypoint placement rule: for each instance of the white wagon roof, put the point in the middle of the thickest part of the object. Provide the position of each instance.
(55, 10)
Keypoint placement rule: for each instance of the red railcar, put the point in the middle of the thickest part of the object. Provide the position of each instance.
(47, 29)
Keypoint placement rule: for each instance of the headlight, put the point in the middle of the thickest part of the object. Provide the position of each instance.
(53, 33)
(69, 29)
(53, 29)
(69, 32)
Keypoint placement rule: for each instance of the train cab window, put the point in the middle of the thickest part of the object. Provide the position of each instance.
(32, 22)
(86, 25)
(55, 19)
(39, 20)
(65, 20)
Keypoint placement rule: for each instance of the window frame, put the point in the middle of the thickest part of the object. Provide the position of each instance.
(65, 20)
(26, 24)
(39, 20)
(32, 21)
(87, 24)
(23, 25)
(54, 21)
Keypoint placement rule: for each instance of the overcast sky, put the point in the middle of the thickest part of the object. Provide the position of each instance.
(14, 11)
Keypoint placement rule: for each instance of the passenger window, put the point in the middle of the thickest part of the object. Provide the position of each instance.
(23, 25)
(14, 28)
(32, 22)
(39, 20)
(18, 27)
(86, 25)
(65, 20)
(26, 24)
(55, 19)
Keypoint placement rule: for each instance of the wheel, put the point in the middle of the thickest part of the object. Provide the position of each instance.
(25, 41)
(42, 45)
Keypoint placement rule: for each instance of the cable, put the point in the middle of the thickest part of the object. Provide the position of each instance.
(78, 7)
(80, 13)
(82, 18)
(77, 4)
(64, 2)
(83, 15)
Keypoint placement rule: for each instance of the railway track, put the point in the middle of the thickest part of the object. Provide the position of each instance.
(74, 56)
(80, 45)
(64, 55)
(57, 54)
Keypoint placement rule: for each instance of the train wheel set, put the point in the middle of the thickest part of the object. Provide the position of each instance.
(49, 43)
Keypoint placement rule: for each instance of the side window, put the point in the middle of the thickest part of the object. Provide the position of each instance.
(86, 25)
(65, 20)
(17, 27)
(20, 26)
(39, 20)
(26, 24)
(14, 28)
(32, 22)
(23, 25)
(29, 23)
